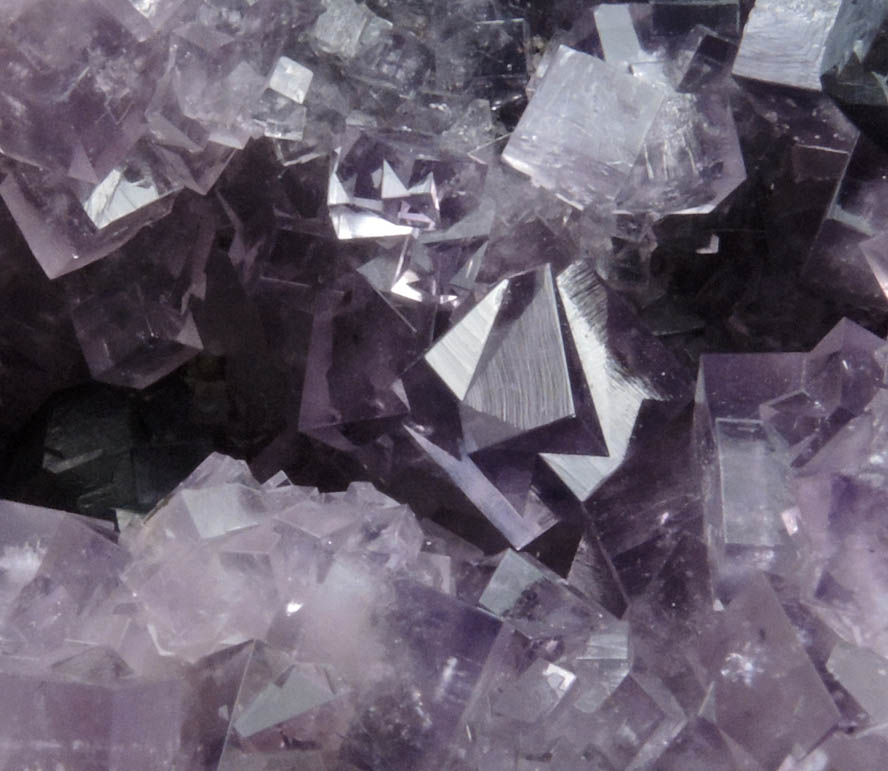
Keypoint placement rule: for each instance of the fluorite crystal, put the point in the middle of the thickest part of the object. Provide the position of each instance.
(443, 385)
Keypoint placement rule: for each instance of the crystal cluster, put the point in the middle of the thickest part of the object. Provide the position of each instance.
(442, 275)
(267, 624)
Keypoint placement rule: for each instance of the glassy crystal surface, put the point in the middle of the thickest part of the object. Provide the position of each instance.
(429, 281)
(785, 43)
(564, 142)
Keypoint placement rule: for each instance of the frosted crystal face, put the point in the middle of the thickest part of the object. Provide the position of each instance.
(564, 142)
(471, 254)
(785, 42)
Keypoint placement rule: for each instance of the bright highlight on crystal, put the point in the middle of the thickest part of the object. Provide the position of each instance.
(443, 385)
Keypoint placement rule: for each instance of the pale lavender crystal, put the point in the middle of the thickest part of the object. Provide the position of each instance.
(744, 488)
(144, 17)
(750, 433)
(274, 701)
(567, 140)
(815, 422)
(279, 112)
(843, 580)
(699, 746)
(619, 41)
(59, 222)
(27, 533)
(63, 722)
(538, 691)
(690, 160)
(543, 607)
(75, 85)
(784, 42)
(157, 100)
(222, 61)
(256, 594)
(434, 670)
(767, 695)
(543, 691)
(467, 250)
(133, 331)
(863, 674)
(666, 619)
(631, 727)
(345, 27)
(57, 571)
(846, 752)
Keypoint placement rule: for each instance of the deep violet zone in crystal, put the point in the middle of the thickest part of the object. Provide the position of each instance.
(443, 385)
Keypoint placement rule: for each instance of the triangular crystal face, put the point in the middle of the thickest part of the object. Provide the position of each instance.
(392, 187)
(560, 368)
(523, 380)
(582, 474)
(270, 704)
(456, 355)
(624, 367)
(842, 369)
(482, 430)
(520, 529)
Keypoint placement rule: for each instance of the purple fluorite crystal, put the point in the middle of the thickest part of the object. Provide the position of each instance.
(433, 279)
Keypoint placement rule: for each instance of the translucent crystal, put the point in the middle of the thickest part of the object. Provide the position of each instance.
(590, 163)
(759, 660)
(784, 42)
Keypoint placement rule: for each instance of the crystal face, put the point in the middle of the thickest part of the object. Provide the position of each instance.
(443, 386)
(554, 143)
(785, 42)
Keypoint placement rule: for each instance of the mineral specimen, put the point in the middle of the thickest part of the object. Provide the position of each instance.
(562, 123)
(786, 42)
(347, 406)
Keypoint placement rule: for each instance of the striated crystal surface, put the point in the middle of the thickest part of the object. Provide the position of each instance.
(554, 143)
(429, 281)
(786, 42)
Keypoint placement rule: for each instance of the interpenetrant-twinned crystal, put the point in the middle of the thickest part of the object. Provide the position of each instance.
(567, 140)
(472, 253)
(226, 561)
